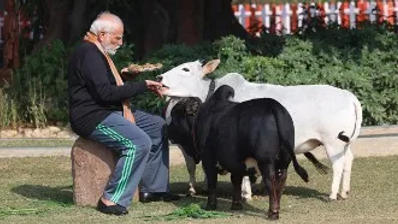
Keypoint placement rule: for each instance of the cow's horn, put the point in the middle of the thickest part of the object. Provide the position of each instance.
(210, 66)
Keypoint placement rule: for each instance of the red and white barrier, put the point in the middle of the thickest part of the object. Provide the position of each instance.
(290, 17)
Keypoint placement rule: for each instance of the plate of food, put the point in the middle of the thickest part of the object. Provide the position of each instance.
(136, 68)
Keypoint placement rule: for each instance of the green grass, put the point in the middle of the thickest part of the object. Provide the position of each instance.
(36, 143)
(39, 190)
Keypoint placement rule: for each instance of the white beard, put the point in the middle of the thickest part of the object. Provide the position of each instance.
(109, 50)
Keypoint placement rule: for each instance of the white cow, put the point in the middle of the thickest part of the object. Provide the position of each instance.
(322, 114)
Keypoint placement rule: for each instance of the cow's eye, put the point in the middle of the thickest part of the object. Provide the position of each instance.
(185, 69)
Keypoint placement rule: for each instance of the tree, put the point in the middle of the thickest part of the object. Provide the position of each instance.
(182, 21)
(149, 24)
(11, 40)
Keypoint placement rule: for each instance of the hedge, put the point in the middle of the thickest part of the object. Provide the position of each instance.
(363, 61)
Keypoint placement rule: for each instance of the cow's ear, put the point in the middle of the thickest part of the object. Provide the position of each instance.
(210, 66)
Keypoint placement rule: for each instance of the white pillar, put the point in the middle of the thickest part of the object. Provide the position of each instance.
(333, 13)
(338, 13)
(371, 11)
(352, 11)
(327, 12)
(286, 13)
(312, 10)
(300, 15)
(266, 14)
(241, 14)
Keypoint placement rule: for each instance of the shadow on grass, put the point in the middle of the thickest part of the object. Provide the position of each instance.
(224, 196)
(60, 195)
(303, 192)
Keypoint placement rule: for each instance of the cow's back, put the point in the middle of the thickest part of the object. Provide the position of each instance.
(318, 111)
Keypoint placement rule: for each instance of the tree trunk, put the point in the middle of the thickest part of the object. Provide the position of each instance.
(11, 41)
(149, 24)
(219, 21)
(183, 22)
(189, 16)
(11, 31)
(57, 26)
(77, 20)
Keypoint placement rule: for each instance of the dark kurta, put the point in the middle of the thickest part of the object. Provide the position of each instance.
(92, 89)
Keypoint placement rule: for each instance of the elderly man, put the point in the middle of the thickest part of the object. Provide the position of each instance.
(99, 110)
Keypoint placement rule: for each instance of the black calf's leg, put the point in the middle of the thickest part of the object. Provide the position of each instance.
(281, 177)
(237, 195)
(268, 173)
(211, 174)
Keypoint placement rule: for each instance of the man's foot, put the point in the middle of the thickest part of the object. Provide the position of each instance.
(157, 196)
(111, 209)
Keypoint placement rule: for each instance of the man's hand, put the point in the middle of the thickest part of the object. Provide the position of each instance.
(128, 74)
(130, 70)
(155, 87)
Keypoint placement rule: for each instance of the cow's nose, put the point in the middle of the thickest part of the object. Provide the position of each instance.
(159, 78)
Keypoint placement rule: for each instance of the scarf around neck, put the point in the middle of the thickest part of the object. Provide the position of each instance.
(92, 38)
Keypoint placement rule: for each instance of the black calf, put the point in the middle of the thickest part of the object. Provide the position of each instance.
(181, 119)
(228, 133)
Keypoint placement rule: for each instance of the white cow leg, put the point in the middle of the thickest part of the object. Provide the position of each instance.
(191, 167)
(347, 172)
(337, 159)
(246, 189)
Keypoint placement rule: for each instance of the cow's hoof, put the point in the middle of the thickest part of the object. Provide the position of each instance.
(332, 198)
(210, 207)
(341, 197)
(247, 199)
(273, 215)
(236, 206)
(188, 195)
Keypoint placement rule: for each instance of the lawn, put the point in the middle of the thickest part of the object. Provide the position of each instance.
(39, 190)
(36, 143)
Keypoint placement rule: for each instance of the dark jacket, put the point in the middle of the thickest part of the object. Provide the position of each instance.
(92, 89)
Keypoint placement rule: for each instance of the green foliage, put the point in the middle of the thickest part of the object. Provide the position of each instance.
(39, 87)
(124, 56)
(191, 211)
(267, 45)
(7, 110)
(230, 49)
(362, 61)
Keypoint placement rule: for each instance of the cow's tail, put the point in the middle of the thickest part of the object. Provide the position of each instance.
(357, 122)
(286, 134)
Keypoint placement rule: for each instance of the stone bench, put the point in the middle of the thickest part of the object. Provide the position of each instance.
(92, 164)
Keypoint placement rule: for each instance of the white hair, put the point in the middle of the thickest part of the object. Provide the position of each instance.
(105, 22)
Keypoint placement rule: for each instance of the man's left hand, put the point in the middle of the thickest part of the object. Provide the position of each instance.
(155, 87)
